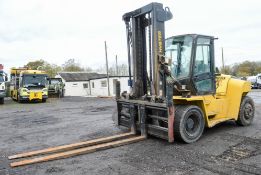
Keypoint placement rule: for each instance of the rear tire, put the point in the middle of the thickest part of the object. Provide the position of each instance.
(189, 123)
(246, 112)
(43, 100)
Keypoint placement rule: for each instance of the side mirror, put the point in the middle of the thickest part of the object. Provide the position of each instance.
(6, 79)
(217, 70)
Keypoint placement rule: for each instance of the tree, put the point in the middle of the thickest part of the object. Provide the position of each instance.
(122, 70)
(258, 67)
(50, 69)
(101, 69)
(71, 66)
(35, 64)
(226, 70)
(246, 68)
(88, 69)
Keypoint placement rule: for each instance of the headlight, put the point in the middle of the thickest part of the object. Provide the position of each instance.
(45, 90)
(24, 90)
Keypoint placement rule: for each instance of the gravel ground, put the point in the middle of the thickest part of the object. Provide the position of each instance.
(224, 149)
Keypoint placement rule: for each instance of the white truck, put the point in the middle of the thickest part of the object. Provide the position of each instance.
(255, 81)
(3, 79)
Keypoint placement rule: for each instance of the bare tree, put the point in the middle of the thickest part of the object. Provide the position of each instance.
(72, 66)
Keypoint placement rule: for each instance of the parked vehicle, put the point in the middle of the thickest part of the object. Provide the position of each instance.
(56, 87)
(3, 79)
(28, 85)
(255, 81)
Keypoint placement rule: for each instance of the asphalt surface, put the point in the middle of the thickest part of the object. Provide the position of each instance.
(224, 149)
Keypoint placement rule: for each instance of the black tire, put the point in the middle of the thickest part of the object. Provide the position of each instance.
(43, 100)
(59, 94)
(246, 112)
(19, 99)
(2, 101)
(189, 123)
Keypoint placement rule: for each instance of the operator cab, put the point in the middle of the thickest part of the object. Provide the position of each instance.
(54, 81)
(192, 62)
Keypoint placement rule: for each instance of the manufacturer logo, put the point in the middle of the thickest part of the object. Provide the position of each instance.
(160, 42)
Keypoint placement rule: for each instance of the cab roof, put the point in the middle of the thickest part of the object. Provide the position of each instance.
(194, 36)
(26, 71)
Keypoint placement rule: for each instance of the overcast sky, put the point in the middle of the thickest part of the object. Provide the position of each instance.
(57, 30)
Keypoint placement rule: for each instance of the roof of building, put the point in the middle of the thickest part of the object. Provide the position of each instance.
(79, 76)
(83, 76)
(110, 76)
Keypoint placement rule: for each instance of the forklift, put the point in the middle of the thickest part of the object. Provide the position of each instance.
(174, 87)
(174, 90)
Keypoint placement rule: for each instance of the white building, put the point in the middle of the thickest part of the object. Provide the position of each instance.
(91, 84)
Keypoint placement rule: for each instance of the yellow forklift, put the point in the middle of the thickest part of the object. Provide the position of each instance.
(175, 89)
(28, 85)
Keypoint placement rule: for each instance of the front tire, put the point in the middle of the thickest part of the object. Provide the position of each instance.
(2, 101)
(62, 93)
(59, 94)
(19, 99)
(246, 112)
(189, 123)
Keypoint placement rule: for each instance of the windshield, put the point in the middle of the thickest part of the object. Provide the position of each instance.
(179, 51)
(54, 81)
(31, 80)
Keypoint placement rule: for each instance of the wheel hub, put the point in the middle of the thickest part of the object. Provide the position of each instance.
(190, 124)
(248, 112)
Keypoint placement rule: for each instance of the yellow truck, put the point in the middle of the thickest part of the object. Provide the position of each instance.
(28, 85)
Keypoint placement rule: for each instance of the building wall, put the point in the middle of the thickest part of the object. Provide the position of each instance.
(100, 90)
(85, 88)
(76, 88)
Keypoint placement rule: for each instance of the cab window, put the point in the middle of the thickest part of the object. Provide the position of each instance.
(202, 66)
(202, 61)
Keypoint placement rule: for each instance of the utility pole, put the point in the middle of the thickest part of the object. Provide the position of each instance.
(223, 64)
(117, 70)
(108, 83)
